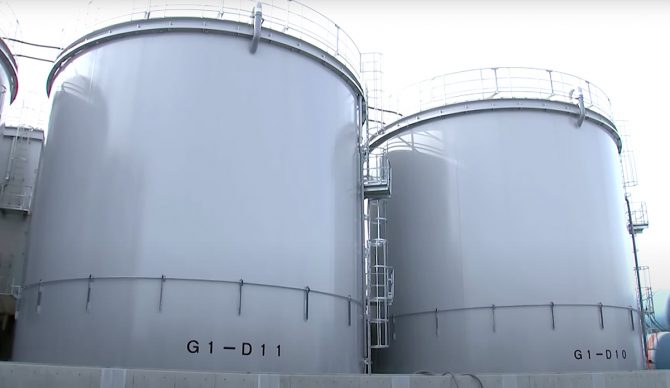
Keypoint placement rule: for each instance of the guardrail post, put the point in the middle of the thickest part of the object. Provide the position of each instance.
(551, 83)
(337, 40)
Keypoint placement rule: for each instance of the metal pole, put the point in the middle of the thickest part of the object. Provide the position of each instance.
(363, 152)
(639, 283)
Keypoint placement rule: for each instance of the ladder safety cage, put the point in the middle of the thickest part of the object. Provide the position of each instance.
(639, 217)
(380, 276)
(377, 175)
(376, 181)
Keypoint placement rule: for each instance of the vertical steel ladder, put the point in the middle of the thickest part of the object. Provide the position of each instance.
(379, 276)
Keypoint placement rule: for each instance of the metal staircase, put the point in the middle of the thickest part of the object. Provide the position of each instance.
(16, 187)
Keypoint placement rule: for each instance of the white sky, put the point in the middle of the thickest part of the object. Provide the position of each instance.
(620, 46)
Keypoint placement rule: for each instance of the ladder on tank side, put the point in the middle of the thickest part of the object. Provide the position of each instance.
(379, 275)
(15, 193)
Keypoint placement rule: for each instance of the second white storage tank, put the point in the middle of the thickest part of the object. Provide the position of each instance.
(506, 230)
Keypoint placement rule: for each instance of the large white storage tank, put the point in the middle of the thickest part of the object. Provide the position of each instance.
(506, 228)
(9, 81)
(199, 201)
(11, 224)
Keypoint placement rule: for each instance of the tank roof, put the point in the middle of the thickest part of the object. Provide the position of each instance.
(287, 22)
(496, 88)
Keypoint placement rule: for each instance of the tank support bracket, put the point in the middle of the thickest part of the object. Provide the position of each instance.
(38, 304)
(307, 290)
(239, 301)
(160, 298)
(88, 292)
(580, 103)
(257, 15)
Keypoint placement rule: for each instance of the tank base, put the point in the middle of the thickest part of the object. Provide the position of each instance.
(55, 376)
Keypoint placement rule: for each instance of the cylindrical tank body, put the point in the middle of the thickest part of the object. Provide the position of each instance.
(12, 224)
(507, 235)
(198, 205)
(661, 358)
(661, 318)
(9, 82)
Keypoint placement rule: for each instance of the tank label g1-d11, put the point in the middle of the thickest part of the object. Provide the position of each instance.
(604, 354)
(241, 349)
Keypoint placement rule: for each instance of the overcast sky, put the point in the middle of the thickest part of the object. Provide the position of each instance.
(620, 46)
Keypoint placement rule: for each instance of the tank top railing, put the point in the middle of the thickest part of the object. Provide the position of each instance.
(499, 83)
(287, 16)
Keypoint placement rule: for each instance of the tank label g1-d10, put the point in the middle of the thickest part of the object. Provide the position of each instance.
(241, 349)
(606, 354)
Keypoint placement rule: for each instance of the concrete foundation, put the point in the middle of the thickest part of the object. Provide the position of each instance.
(19, 375)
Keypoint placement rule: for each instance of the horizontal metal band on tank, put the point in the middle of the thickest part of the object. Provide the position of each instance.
(166, 278)
(191, 24)
(510, 306)
(306, 291)
(549, 307)
(408, 122)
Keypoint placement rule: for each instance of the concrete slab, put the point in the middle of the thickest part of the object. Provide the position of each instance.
(20, 375)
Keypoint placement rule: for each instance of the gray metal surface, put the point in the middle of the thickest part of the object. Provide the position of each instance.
(178, 164)
(19, 161)
(662, 353)
(661, 306)
(18, 375)
(508, 243)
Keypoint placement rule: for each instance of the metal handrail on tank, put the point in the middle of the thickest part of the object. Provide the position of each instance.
(500, 83)
(287, 16)
(377, 170)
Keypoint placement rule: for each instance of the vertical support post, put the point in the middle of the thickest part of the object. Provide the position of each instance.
(160, 300)
(307, 303)
(493, 316)
(38, 304)
(551, 82)
(553, 317)
(349, 311)
(437, 325)
(632, 319)
(88, 292)
(337, 40)
(495, 75)
(602, 319)
(18, 294)
(365, 265)
(223, 9)
(239, 301)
